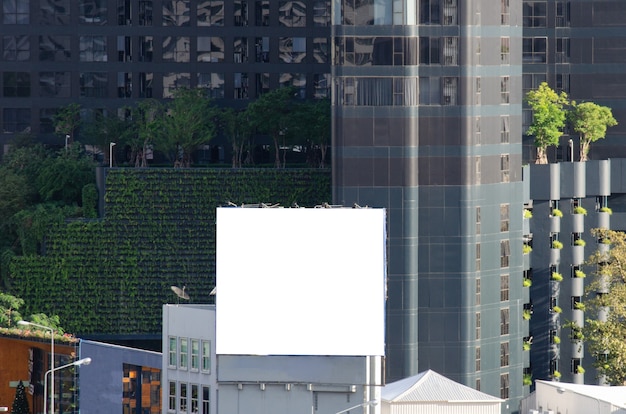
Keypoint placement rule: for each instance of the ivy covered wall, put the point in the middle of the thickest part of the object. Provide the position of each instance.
(112, 275)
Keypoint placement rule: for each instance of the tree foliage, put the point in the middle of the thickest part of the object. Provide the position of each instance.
(20, 403)
(590, 121)
(238, 130)
(9, 310)
(605, 326)
(189, 121)
(271, 115)
(549, 115)
(66, 121)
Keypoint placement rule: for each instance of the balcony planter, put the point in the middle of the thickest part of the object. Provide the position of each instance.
(604, 219)
(526, 263)
(525, 226)
(555, 224)
(555, 256)
(578, 255)
(578, 223)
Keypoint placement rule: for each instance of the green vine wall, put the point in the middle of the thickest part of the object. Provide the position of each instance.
(113, 274)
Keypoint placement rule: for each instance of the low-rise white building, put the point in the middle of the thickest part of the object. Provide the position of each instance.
(552, 397)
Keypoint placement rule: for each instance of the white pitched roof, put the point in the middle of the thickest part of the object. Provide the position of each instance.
(429, 386)
(615, 395)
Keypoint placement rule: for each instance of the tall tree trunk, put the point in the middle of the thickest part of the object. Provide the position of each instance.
(584, 150)
(542, 157)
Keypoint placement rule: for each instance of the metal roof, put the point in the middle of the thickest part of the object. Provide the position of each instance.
(615, 395)
(429, 386)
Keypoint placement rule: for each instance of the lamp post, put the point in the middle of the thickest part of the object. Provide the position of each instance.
(84, 361)
(111, 145)
(365, 404)
(51, 354)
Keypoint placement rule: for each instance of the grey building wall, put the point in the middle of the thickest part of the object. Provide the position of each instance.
(563, 186)
(445, 167)
(101, 382)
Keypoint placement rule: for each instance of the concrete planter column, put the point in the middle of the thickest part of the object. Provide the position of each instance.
(555, 256)
(578, 223)
(555, 224)
(604, 220)
(578, 255)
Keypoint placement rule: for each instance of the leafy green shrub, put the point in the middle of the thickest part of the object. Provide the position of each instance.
(528, 379)
(580, 369)
(580, 210)
(527, 282)
(579, 306)
(556, 276)
(580, 274)
(557, 244)
(556, 374)
(557, 309)
(557, 213)
(606, 210)
(526, 314)
(526, 249)
(579, 242)
(556, 340)
(528, 214)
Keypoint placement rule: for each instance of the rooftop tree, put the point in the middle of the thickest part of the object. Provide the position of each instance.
(590, 121)
(549, 115)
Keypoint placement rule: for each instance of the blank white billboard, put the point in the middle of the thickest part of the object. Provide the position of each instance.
(296, 281)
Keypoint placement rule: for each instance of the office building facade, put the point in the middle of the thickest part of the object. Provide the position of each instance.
(427, 123)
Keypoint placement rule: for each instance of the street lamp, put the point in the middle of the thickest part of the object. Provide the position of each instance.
(365, 404)
(111, 145)
(84, 361)
(67, 137)
(51, 353)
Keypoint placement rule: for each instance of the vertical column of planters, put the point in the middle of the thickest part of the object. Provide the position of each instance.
(528, 309)
(577, 291)
(604, 244)
(554, 325)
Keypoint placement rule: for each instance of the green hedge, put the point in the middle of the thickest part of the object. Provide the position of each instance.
(112, 275)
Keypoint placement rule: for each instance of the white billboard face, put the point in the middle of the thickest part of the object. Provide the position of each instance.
(295, 281)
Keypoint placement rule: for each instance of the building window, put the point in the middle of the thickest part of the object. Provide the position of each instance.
(477, 256)
(15, 120)
(321, 85)
(477, 325)
(505, 50)
(505, 13)
(173, 81)
(240, 86)
(504, 288)
(477, 291)
(172, 397)
(54, 84)
(505, 252)
(430, 12)
(124, 52)
(15, 11)
(477, 384)
(575, 364)
(262, 12)
(504, 321)
(240, 12)
(505, 90)
(477, 220)
(195, 354)
(477, 91)
(206, 356)
(213, 83)
(16, 48)
(320, 49)
(210, 13)
(124, 84)
(504, 168)
(194, 399)
(262, 47)
(16, 84)
(262, 83)
(531, 81)
(46, 120)
(296, 80)
(93, 49)
(477, 358)
(430, 50)
(534, 13)
(210, 49)
(534, 49)
(173, 351)
(504, 217)
(145, 84)
(562, 50)
(54, 48)
(175, 12)
(183, 398)
(92, 12)
(504, 386)
(176, 49)
(504, 129)
(292, 49)
(450, 51)
(146, 48)
(206, 398)
(184, 353)
(562, 13)
(144, 13)
(321, 13)
(504, 354)
(240, 50)
(292, 13)
(93, 84)
(54, 12)
(123, 13)
(450, 90)
(562, 82)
